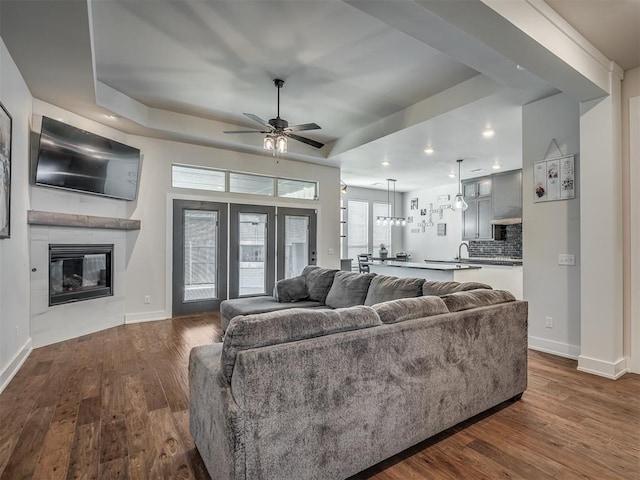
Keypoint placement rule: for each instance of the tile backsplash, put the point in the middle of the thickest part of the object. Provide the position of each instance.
(510, 247)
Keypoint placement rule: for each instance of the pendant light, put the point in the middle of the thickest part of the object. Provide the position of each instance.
(459, 205)
(391, 218)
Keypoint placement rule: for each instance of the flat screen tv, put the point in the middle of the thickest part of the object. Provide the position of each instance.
(74, 159)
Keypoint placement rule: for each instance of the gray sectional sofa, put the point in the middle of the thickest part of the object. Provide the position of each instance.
(321, 393)
(324, 288)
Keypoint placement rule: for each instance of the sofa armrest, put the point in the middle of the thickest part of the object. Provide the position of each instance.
(291, 289)
(215, 419)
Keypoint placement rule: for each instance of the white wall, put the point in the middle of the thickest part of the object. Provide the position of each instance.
(631, 214)
(551, 228)
(15, 341)
(428, 245)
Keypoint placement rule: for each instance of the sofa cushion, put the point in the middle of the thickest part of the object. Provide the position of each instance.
(254, 331)
(395, 311)
(318, 281)
(384, 288)
(348, 289)
(253, 305)
(431, 287)
(291, 289)
(459, 301)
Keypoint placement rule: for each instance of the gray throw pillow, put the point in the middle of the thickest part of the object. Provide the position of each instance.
(395, 311)
(459, 301)
(384, 288)
(348, 289)
(291, 290)
(439, 288)
(318, 281)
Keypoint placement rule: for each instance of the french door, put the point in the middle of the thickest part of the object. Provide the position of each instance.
(252, 250)
(199, 256)
(296, 240)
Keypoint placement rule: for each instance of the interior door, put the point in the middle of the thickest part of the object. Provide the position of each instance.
(297, 240)
(199, 256)
(252, 250)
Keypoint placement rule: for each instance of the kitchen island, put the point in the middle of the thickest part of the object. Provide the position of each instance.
(430, 271)
(500, 275)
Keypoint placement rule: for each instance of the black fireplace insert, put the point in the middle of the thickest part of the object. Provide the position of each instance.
(79, 272)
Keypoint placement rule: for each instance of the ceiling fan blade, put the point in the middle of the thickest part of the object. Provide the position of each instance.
(256, 118)
(308, 141)
(243, 131)
(304, 126)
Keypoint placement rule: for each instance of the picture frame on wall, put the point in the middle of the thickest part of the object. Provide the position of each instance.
(5, 172)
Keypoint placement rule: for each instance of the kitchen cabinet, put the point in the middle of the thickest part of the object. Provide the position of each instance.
(507, 197)
(476, 220)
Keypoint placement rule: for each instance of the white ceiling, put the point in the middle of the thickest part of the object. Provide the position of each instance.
(383, 79)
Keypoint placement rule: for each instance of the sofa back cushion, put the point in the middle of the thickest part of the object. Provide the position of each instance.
(264, 329)
(395, 311)
(348, 289)
(459, 301)
(291, 290)
(384, 288)
(432, 287)
(318, 281)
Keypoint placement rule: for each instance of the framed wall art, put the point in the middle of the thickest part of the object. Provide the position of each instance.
(5, 172)
(554, 179)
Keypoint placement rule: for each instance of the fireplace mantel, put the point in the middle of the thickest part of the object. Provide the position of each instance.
(36, 217)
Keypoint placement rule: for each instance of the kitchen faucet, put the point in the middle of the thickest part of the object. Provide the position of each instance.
(460, 250)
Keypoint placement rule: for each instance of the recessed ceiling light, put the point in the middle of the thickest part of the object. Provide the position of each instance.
(452, 175)
(488, 132)
(496, 166)
(385, 163)
(519, 67)
(476, 170)
(112, 117)
(429, 150)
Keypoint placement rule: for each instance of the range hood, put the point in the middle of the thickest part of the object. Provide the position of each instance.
(506, 221)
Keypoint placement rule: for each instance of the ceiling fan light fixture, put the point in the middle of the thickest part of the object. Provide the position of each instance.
(269, 143)
(281, 144)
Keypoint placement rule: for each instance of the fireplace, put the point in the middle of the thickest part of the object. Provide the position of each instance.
(79, 272)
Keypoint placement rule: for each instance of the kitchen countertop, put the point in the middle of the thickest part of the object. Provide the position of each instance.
(500, 261)
(437, 265)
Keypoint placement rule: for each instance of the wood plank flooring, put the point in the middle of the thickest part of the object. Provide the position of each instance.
(114, 405)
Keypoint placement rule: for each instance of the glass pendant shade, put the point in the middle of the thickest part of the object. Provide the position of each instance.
(378, 221)
(281, 144)
(459, 205)
(269, 143)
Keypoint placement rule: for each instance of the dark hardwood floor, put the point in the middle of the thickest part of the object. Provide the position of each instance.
(113, 405)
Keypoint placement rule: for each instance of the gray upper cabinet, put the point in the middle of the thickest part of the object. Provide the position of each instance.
(476, 220)
(507, 196)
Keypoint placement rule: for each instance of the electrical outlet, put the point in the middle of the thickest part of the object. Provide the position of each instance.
(147, 299)
(331, 251)
(566, 259)
(548, 322)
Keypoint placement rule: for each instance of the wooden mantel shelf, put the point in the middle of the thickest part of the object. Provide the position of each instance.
(35, 217)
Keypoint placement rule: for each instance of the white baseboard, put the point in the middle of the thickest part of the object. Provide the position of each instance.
(554, 348)
(611, 370)
(14, 365)
(146, 316)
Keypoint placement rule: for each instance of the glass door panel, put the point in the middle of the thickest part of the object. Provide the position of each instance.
(199, 256)
(252, 250)
(296, 241)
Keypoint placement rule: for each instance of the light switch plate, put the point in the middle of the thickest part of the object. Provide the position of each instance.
(566, 259)
(331, 251)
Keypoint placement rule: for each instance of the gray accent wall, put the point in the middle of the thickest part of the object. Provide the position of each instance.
(551, 228)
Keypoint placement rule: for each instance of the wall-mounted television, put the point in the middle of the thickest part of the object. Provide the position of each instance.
(73, 159)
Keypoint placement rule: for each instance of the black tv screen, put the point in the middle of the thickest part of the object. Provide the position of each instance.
(74, 159)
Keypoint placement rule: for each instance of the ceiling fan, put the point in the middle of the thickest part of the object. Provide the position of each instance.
(279, 128)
